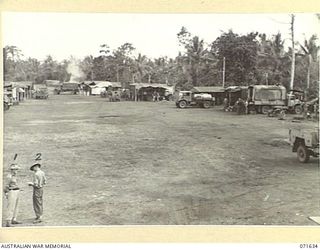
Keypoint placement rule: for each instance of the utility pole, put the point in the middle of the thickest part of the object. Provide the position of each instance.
(293, 52)
(223, 71)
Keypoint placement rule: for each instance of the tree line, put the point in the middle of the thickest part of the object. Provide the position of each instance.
(233, 59)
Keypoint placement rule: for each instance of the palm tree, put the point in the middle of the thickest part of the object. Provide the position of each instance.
(141, 68)
(310, 50)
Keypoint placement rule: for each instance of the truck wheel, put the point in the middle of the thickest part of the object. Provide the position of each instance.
(206, 105)
(298, 109)
(265, 109)
(182, 104)
(303, 153)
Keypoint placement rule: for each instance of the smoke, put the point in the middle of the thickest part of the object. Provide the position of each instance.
(74, 70)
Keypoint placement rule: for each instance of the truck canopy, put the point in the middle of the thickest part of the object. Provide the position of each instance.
(269, 92)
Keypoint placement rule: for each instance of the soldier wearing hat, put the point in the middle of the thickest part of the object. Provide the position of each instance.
(39, 180)
(12, 191)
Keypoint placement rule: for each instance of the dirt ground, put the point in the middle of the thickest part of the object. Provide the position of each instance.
(147, 163)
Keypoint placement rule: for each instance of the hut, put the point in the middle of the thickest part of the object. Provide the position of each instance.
(20, 90)
(233, 93)
(99, 86)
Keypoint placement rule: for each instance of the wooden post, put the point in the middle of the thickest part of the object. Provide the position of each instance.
(267, 79)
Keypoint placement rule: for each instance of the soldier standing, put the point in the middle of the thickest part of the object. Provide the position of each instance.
(12, 191)
(39, 180)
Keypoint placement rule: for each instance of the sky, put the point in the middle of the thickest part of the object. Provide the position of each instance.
(62, 35)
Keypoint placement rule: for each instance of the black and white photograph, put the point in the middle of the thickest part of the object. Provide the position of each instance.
(160, 119)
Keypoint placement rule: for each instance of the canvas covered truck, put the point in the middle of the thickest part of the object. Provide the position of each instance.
(305, 142)
(262, 98)
(188, 98)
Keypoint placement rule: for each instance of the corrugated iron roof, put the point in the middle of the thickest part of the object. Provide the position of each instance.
(236, 88)
(150, 85)
(52, 83)
(21, 84)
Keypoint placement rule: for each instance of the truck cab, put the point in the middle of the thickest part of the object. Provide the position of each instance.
(188, 98)
(295, 99)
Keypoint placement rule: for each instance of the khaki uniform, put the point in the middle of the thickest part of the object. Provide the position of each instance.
(39, 180)
(12, 189)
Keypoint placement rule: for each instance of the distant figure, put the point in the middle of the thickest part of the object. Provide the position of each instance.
(12, 191)
(246, 104)
(158, 96)
(225, 104)
(144, 98)
(240, 107)
(154, 96)
(39, 180)
(282, 114)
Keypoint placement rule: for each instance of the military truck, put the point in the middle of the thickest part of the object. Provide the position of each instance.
(295, 101)
(188, 98)
(40, 91)
(305, 143)
(262, 98)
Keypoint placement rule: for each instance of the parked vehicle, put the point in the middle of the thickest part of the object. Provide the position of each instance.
(295, 101)
(68, 87)
(262, 98)
(41, 93)
(188, 98)
(305, 143)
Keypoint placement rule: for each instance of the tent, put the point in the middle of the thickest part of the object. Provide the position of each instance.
(99, 87)
(144, 91)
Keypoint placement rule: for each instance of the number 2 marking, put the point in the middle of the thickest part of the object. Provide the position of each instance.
(38, 156)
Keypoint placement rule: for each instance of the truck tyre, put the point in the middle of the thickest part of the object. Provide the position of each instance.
(303, 154)
(206, 104)
(298, 109)
(265, 109)
(182, 104)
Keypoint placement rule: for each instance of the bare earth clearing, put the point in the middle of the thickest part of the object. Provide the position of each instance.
(151, 163)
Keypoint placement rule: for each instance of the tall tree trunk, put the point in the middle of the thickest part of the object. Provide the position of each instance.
(308, 76)
(293, 53)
